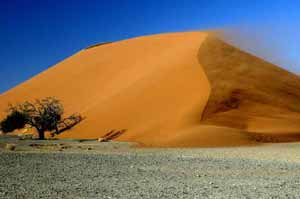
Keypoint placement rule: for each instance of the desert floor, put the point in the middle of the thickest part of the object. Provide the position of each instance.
(91, 169)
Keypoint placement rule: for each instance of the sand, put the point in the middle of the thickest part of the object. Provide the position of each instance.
(171, 90)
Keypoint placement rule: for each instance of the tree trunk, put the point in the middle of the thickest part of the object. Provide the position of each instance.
(56, 130)
(41, 134)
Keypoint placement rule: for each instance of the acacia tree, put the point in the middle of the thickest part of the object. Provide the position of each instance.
(44, 115)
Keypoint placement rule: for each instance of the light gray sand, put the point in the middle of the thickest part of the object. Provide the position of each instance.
(114, 170)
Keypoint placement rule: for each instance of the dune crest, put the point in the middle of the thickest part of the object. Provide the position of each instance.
(170, 90)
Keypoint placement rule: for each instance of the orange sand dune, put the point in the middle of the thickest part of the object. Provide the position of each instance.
(176, 90)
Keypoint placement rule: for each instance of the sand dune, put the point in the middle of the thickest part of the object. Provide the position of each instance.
(248, 91)
(177, 89)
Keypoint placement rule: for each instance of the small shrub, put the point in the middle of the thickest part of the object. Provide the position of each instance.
(10, 147)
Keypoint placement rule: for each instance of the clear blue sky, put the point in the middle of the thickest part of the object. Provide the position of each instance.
(35, 34)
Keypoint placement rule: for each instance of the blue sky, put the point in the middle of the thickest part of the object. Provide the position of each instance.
(35, 34)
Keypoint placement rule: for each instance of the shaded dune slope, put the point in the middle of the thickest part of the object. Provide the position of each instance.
(176, 90)
(247, 92)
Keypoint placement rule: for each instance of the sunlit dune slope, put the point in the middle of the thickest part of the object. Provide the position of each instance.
(176, 90)
(148, 85)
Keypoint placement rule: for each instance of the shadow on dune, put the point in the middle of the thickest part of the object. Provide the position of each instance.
(96, 45)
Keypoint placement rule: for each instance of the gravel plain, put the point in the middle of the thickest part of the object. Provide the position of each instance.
(119, 170)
